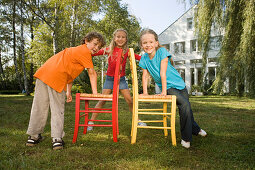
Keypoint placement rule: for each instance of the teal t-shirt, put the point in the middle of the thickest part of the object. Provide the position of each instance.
(173, 78)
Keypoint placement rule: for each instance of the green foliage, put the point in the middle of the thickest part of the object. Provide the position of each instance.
(41, 46)
(53, 25)
(236, 58)
(117, 16)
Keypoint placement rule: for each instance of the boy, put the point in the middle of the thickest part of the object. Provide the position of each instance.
(54, 81)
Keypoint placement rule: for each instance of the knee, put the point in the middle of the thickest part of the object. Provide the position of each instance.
(100, 104)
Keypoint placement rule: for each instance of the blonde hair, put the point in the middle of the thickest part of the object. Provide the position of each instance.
(113, 43)
(149, 31)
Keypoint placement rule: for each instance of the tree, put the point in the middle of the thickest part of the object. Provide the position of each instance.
(237, 55)
(23, 49)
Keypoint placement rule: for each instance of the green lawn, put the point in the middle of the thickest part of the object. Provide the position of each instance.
(230, 144)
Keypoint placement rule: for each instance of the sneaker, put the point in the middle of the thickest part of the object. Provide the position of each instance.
(141, 123)
(202, 133)
(185, 144)
(90, 128)
(32, 141)
(58, 144)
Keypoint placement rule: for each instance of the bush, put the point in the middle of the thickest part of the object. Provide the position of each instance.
(9, 91)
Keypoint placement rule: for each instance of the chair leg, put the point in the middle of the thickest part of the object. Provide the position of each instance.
(173, 116)
(86, 116)
(114, 124)
(165, 118)
(134, 125)
(77, 117)
(133, 117)
(117, 118)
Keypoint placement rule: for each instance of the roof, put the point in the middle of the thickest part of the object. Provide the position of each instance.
(178, 19)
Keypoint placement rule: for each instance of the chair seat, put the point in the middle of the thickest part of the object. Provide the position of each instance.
(154, 97)
(96, 95)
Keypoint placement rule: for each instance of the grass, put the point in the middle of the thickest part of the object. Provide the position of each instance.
(230, 144)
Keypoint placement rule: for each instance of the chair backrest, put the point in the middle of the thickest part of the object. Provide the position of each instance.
(115, 91)
(134, 75)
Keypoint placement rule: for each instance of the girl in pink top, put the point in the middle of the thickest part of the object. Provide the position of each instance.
(119, 41)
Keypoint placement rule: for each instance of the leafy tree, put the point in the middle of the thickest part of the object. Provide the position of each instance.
(37, 29)
(237, 55)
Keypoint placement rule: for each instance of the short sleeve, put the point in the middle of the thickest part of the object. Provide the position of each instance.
(164, 53)
(142, 62)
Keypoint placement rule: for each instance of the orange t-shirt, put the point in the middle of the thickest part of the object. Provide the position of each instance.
(64, 67)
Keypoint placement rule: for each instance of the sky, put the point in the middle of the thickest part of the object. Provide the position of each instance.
(156, 14)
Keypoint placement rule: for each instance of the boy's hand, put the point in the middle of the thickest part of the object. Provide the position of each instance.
(68, 97)
(144, 94)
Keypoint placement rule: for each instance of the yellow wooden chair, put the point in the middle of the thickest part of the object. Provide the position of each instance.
(138, 99)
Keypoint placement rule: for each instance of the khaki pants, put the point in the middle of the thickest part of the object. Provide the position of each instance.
(44, 98)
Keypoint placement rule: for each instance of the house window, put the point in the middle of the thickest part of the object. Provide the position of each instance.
(167, 46)
(193, 46)
(195, 61)
(181, 62)
(211, 74)
(189, 23)
(215, 43)
(179, 47)
(212, 60)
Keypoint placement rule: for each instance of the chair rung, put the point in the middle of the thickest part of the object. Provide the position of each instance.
(153, 100)
(99, 108)
(150, 121)
(150, 109)
(100, 120)
(154, 113)
(153, 127)
(94, 111)
(96, 125)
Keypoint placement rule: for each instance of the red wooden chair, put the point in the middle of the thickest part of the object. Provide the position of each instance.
(84, 114)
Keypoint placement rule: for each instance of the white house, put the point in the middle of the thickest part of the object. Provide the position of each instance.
(180, 39)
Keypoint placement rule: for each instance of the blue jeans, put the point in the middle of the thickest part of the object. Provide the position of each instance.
(187, 123)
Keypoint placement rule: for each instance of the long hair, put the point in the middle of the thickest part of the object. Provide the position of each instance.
(113, 43)
(149, 31)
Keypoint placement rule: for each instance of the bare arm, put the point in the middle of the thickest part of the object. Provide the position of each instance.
(163, 69)
(93, 79)
(68, 92)
(145, 81)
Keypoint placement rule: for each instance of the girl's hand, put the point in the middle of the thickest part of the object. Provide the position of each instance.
(163, 94)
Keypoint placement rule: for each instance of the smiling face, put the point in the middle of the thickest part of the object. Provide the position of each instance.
(149, 44)
(120, 39)
(93, 46)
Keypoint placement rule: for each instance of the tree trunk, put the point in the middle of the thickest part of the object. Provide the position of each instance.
(31, 73)
(14, 44)
(55, 31)
(22, 49)
(1, 66)
(72, 43)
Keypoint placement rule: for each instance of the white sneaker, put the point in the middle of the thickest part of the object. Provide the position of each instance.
(141, 123)
(185, 144)
(90, 128)
(202, 133)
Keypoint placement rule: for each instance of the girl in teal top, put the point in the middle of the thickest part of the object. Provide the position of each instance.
(156, 62)
(173, 78)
